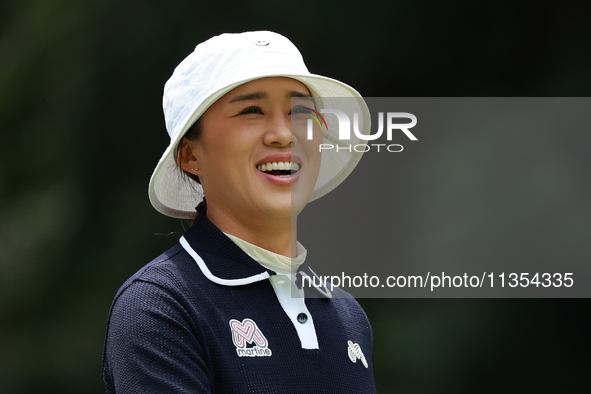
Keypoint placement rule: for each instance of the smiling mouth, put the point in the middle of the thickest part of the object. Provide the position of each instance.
(280, 169)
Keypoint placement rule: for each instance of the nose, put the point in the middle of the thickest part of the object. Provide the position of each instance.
(279, 131)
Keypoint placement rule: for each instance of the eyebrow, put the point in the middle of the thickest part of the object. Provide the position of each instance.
(264, 95)
(298, 94)
(250, 96)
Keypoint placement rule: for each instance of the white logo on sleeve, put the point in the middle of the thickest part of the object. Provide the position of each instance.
(247, 332)
(355, 353)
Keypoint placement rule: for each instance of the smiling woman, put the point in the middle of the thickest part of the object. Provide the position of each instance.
(245, 129)
(224, 310)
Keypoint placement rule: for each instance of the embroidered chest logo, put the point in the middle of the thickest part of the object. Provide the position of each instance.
(248, 333)
(355, 353)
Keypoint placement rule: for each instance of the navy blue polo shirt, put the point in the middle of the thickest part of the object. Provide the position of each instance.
(216, 326)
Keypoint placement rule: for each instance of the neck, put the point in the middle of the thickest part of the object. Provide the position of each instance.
(276, 235)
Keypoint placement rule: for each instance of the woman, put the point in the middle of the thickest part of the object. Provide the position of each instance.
(221, 311)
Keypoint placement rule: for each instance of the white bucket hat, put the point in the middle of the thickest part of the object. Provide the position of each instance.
(217, 66)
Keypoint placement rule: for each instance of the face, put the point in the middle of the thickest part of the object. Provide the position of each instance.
(243, 132)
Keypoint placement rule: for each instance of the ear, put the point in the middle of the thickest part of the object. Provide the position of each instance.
(186, 158)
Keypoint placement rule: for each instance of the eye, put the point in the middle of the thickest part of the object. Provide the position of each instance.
(300, 110)
(251, 110)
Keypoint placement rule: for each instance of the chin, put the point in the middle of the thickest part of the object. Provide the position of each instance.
(287, 204)
(280, 209)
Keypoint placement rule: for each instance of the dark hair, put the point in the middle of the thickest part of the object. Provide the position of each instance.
(192, 134)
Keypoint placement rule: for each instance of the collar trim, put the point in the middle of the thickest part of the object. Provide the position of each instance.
(215, 279)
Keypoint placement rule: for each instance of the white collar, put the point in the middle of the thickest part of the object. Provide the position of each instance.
(270, 260)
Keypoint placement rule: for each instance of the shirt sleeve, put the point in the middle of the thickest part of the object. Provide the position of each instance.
(152, 345)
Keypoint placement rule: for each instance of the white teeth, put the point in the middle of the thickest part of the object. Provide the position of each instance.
(278, 166)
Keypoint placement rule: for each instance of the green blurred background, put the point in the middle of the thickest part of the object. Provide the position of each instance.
(81, 129)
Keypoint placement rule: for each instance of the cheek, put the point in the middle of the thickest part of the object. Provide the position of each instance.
(223, 148)
(299, 127)
(313, 146)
